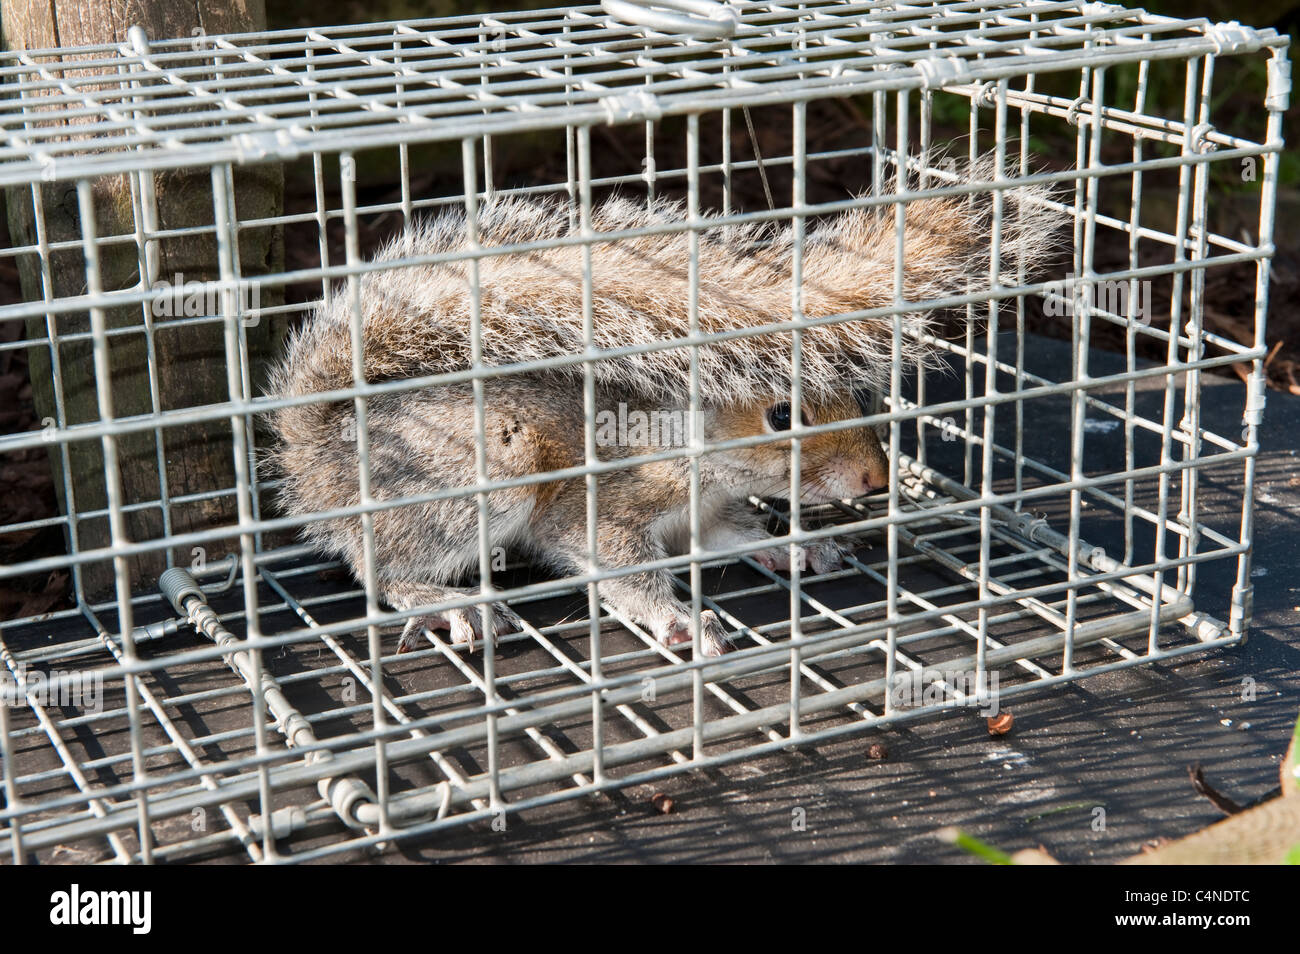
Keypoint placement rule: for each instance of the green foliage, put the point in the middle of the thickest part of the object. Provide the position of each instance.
(972, 845)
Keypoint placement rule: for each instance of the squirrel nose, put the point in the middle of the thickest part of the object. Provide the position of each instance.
(874, 479)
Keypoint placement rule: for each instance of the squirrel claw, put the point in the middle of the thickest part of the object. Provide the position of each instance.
(465, 625)
(713, 637)
(678, 635)
(820, 557)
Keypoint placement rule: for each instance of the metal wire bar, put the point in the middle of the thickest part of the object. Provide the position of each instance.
(184, 105)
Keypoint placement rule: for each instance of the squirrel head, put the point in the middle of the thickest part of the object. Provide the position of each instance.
(835, 464)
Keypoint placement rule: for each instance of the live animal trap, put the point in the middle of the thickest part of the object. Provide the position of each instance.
(1043, 521)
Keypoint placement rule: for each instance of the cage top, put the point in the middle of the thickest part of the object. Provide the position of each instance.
(254, 97)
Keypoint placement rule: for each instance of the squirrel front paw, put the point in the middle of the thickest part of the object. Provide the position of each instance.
(675, 631)
(820, 557)
(465, 625)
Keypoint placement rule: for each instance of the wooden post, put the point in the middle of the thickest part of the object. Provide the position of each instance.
(189, 360)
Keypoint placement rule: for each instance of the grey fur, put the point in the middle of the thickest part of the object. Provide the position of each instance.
(416, 321)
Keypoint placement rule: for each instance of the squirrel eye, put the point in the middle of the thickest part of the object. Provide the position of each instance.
(778, 416)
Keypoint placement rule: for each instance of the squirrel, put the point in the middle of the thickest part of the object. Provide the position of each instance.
(416, 321)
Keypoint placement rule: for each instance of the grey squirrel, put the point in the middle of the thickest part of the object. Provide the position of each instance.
(416, 321)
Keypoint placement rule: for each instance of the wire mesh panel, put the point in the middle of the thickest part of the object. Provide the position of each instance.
(692, 369)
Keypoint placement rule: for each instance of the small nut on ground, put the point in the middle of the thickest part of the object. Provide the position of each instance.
(663, 803)
(877, 751)
(1001, 723)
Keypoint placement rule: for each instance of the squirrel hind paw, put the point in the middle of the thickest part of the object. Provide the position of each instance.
(714, 640)
(819, 557)
(465, 625)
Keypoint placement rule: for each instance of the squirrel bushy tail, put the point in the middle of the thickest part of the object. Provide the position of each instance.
(417, 318)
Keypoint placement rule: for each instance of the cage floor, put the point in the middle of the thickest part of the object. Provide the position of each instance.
(74, 764)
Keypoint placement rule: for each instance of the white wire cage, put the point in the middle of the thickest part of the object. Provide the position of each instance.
(256, 703)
